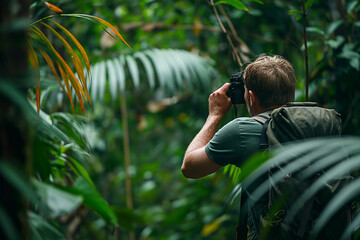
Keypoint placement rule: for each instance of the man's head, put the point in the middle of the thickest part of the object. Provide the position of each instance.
(271, 79)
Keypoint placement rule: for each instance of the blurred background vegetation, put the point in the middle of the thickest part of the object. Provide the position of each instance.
(112, 171)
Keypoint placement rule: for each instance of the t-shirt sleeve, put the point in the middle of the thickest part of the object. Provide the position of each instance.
(235, 142)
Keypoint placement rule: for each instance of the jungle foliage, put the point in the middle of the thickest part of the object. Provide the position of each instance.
(110, 168)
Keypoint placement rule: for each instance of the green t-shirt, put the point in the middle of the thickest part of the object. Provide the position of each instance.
(235, 142)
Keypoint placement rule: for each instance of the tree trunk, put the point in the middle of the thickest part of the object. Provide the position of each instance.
(14, 131)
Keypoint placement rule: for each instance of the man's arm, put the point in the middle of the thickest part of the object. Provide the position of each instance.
(196, 162)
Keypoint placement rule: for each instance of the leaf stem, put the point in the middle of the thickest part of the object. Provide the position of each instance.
(84, 16)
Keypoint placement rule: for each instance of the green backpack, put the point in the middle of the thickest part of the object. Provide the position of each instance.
(294, 122)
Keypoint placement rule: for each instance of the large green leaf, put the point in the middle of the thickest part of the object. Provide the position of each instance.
(102, 80)
(112, 78)
(171, 69)
(339, 170)
(121, 72)
(43, 124)
(80, 170)
(235, 3)
(337, 156)
(333, 26)
(134, 70)
(161, 68)
(315, 30)
(98, 81)
(186, 72)
(56, 202)
(72, 126)
(346, 195)
(149, 71)
(92, 200)
(353, 229)
(251, 171)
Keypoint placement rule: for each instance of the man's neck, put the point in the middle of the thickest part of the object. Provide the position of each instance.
(260, 110)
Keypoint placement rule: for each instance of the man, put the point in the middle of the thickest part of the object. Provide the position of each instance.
(269, 83)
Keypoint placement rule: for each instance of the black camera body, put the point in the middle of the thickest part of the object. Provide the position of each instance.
(236, 89)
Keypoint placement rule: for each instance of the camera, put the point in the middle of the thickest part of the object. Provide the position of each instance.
(236, 89)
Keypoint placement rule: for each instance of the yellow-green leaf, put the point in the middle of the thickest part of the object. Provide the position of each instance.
(53, 8)
(53, 69)
(213, 226)
(112, 28)
(77, 63)
(82, 51)
(63, 65)
(74, 83)
(66, 82)
(99, 20)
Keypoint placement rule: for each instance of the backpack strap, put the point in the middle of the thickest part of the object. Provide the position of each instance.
(264, 119)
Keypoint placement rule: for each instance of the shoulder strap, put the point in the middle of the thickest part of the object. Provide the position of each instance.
(264, 142)
(264, 119)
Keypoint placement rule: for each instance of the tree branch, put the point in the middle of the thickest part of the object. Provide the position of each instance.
(160, 25)
(235, 52)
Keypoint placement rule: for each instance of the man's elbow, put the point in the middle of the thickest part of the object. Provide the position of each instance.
(187, 172)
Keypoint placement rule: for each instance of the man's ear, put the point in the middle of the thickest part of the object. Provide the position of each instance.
(252, 98)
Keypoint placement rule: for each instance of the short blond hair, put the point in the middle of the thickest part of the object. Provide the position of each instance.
(272, 79)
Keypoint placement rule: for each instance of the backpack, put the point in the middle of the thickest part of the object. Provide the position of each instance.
(293, 122)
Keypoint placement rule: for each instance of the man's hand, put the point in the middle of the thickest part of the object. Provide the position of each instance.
(219, 102)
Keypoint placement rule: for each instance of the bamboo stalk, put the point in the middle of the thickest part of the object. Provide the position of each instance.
(126, 146)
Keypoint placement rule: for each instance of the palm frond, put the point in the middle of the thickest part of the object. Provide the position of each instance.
(344, 197)
(173, 70)
(71, 81)
(332, 158)
(149, 70)
(78, 45)
(111, 27)
(53, 69)
(45, 45)
(111, 66)
(75, 59)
